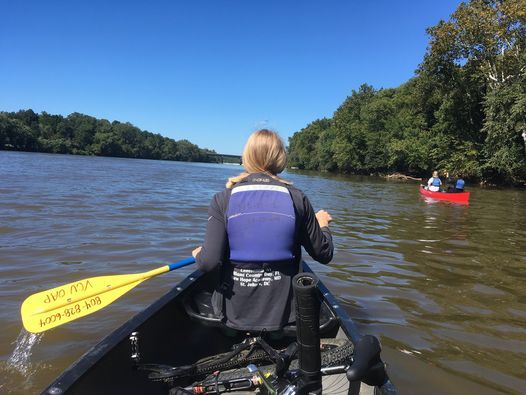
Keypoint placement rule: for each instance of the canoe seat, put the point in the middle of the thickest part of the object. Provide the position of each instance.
(199, 307)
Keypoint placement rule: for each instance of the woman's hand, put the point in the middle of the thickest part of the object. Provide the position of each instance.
(323, 218)
(196, 251)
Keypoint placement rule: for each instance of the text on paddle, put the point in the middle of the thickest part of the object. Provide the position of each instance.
(67, 312)
(63, 292)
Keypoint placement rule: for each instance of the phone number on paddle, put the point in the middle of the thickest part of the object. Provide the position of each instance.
(69, 312)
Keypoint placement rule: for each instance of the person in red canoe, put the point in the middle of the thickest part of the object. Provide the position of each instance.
(450, 183)
(433, 184)
(459, 185)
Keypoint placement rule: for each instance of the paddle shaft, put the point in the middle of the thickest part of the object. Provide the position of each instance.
(183, 263)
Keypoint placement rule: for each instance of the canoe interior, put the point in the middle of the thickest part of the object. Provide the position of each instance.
(166, 336)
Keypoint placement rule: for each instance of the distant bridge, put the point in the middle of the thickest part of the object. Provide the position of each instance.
(224, 158)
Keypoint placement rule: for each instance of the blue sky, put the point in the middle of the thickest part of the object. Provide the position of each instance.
(208, 71)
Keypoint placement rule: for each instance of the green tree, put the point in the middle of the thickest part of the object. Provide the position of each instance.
(86, 135)
(186, 151)
(505, 150)
(15, 135)
(324, 149)
(304, 145)
(480, 53)
(377, 122)
(83, 131)
(350, 144)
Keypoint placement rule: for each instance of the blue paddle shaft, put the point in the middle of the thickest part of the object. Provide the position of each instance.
(183, 263)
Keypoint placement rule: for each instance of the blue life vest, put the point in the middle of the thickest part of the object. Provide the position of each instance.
(436, 182)
(460, 184)
(261, 223)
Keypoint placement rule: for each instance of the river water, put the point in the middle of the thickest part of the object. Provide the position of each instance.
(442, 284)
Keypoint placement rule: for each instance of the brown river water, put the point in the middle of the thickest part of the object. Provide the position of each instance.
(441, 284)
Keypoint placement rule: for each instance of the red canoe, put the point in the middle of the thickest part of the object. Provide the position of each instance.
(460, 197)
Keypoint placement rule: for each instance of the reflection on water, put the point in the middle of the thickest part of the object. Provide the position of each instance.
(442, 284)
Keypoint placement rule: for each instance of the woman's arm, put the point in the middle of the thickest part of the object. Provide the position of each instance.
(316, 239)
(212, 252)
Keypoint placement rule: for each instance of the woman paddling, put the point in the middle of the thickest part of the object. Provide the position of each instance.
(256, 228)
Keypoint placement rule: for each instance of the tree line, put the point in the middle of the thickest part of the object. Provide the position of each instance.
(464, 111)
(85, 135)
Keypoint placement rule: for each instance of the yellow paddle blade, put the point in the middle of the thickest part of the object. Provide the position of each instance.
(48, 309)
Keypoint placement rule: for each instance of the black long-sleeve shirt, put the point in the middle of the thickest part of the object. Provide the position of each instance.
(267, 307)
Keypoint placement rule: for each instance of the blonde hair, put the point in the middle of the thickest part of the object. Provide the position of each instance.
(264, 152)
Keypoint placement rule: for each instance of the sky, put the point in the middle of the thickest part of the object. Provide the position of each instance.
(209, 71)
